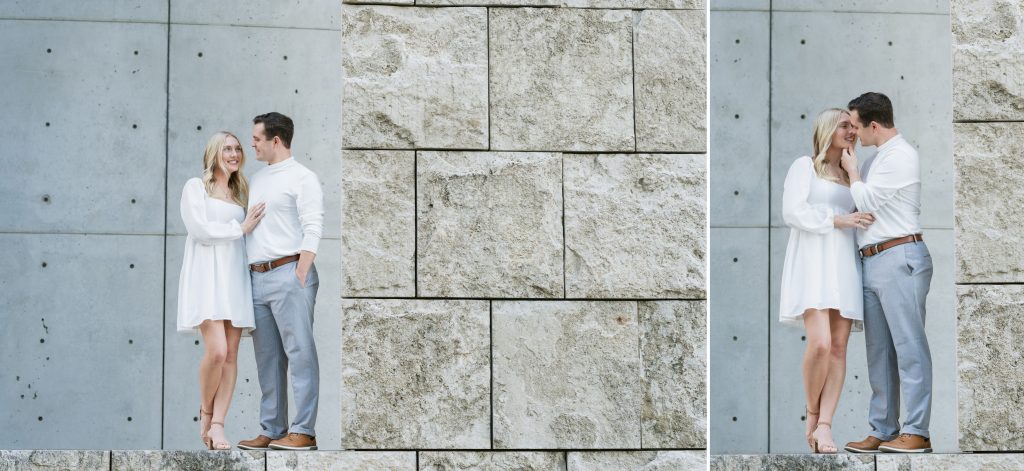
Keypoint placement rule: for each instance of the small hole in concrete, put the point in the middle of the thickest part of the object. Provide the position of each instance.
(734, 419)
(47, 124)
(197, 342)
(296, 91)
(135, 126)
(131, 265)
(136, 53)
(42, 340)
(737, 116)
(734, 338)
(803, 116)
(195, 419)
(130, 341)
(129, 419)
(200, 54)
(803, 41)
(890, 43)
(199, 128)
(40, 418)
(737, 192)
(23, 396)
(46, 198)
(735, 259)
(285, 57)
(737, 41)
(44, 264)
(48, 50)
(133, 200)
(803, 337)
(901, 77)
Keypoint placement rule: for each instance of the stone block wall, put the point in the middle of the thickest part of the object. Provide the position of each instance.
(524, 232)
(988, 111)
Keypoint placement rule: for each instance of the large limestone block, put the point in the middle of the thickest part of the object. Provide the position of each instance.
(491, 461)
(39, 460)
(186, 460)
(989, 360)
(416, 374)
(987, 64)
(378, 228)
(635, 226)
(951, 462)
(633, 4)
(346, 460)
(989, 216)
(695, 460)
(836, 462)
(567, 374)
(561, 79)
(414, 77)
(670, 79)
(673, 348)
(490, 224)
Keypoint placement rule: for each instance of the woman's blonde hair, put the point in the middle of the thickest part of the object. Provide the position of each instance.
(237, 183)
(825, 126)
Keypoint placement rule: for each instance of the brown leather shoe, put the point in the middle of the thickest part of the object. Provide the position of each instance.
(907, 443)
(867, 445)
(294, 441)
(258, 443)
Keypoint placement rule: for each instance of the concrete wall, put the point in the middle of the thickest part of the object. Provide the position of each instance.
(108, 105)
(987, 116)
(523, 233)
(774, 66)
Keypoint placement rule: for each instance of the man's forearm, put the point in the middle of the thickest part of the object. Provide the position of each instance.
(305, 261)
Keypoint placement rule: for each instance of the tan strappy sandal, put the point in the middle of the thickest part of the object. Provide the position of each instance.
(215, 445)
(817, 444)
(204, 431)
(811, 441)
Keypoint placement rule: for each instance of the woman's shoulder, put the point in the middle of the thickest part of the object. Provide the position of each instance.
(194, 186)
(801, 163)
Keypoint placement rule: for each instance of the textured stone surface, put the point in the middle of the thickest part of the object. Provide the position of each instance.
(635, 4)
(990, 354)
(670, 73)
(147, 460)
(673, 348)
(378, 227)
(638, 461)
(346, 460)
(951, 462)
(491, 461)
(32, 460)
(635, 226)
(566, 374)
(414, 77)
(561, 79)
(415, 374)
(987, 40)
(835, 462)
(989, 216)
(489, 224)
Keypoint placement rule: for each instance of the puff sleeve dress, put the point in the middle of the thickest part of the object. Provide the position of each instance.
(214, 281)
(821, 269)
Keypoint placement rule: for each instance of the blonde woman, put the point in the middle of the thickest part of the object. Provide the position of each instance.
(214, 290)
(821, 287)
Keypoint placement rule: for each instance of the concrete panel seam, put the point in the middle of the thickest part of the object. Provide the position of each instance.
(167, 161)
(233, 25)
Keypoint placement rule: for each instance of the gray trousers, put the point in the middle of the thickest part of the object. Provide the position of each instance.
(283, 339)
(896, 283)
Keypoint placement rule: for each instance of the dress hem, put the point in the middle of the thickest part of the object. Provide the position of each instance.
(796, 320)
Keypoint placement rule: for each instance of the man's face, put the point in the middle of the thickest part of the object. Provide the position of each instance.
(866, 134)
(264, 148)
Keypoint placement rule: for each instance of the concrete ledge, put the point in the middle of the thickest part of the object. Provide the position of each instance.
(878, 462)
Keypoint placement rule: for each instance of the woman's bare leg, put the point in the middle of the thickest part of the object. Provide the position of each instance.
(815, 363)
(210, 370)
(226, 389)
(840, 330)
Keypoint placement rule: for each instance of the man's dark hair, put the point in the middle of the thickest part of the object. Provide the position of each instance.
(276, 125)
(873, 106)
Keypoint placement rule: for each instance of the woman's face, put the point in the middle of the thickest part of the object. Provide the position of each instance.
(845, 136)
(231, 155)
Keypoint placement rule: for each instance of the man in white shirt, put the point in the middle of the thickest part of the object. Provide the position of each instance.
(897, 273)
(280, 252)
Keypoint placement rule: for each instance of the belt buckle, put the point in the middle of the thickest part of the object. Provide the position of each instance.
(263, 267)
(876, 249)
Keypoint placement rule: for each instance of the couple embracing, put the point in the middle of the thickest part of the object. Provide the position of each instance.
(856, 260)
(248, 270)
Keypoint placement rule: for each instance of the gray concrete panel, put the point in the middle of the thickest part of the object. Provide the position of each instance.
(787, 346)
(81, 349)
(86, 133)
(739, 340)
(739, 118)
(914, 71)
(244, 72)
(95, 10)
(292, 14)
(937, 7)
(738, 5)
(183, 352)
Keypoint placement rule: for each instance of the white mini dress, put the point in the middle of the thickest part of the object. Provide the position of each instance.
(214, 283)
(821, 269)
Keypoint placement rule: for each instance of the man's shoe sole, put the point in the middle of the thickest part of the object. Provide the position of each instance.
(859, 450)
(292, 448)
(256, 448)
(885, 449)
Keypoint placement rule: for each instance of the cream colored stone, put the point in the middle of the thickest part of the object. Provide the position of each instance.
(670, 77)
(415, 374)
(39, 460)
(414, 77)
(987, 40)
(695, 460)
(635, 226)
(836, 462)
(950, 462)
(491, 461)
(341, 460)
(186, 460)
(561, 79)
(567, 374)
(633, 4)
(490, 224)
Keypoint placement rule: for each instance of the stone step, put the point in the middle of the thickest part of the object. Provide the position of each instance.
(189, 460)
(873, 462)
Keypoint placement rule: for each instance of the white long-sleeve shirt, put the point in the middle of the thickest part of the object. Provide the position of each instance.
(294, 217)
(891, 190)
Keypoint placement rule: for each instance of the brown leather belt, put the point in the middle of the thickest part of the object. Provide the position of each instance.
(267, 266)
(875, 249)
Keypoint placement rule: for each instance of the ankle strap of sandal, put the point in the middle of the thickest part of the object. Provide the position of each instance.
(829, 424)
